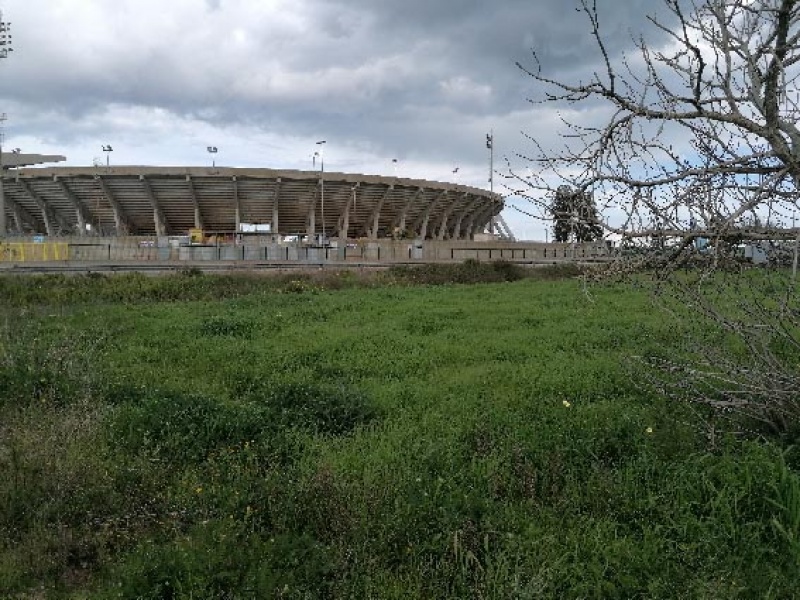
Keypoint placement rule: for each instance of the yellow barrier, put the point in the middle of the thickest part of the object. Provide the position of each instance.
(27, 252)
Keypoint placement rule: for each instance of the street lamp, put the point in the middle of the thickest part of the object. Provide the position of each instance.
(212, 150)
(108, 150)
(319, 153)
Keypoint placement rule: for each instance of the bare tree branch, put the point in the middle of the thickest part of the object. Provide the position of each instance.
(701, 133)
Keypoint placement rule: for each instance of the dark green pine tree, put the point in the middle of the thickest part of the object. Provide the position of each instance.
(575, 216)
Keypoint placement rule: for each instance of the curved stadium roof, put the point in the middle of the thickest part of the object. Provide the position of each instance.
(172, 200)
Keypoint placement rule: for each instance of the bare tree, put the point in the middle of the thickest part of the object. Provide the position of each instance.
(701, 138)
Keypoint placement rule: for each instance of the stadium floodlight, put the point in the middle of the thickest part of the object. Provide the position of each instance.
(5, 48)
(3, 232)
(319, 153)
(490, 147)
(108, 150)
(5, 37)
(212, 150)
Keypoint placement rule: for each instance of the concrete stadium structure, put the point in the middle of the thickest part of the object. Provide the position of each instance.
(171, 201)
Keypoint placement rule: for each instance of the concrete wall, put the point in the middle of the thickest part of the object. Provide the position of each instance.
(114, 249)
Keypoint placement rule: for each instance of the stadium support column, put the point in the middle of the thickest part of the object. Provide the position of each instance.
(399, 221)
(20, 216)
(237, 209)
(276, 213)
(121, 223)
(422, 220)
(446, 215)
(375, 217)
(480, 220)
(469, 207)
(311, 218)
(80, 214)
(198, 217)
(42, 205)
(344, 220)
(159, 220)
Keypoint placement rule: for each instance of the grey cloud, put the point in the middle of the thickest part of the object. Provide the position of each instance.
(421, 78)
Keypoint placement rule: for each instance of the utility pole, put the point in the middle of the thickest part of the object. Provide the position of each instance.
(490, 146)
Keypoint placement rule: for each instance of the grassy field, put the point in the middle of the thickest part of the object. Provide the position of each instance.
(213, 437)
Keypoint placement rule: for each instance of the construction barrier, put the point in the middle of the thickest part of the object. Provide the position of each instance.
(34, 252)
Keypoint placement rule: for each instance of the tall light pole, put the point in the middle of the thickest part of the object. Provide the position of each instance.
(3, 118)
(321, 155)
(490, 146)
(108, 150)
(5, 37)
(5, 48)
(212, 150)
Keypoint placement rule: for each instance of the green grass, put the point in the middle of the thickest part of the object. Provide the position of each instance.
(203, 437)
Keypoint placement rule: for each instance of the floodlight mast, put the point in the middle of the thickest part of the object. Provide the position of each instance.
(490, 146)
(319, 153)
(212, 150)
(5, 48)
(5, 37)
(3, 230)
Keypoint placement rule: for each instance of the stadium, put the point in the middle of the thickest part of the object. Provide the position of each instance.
(179, 201)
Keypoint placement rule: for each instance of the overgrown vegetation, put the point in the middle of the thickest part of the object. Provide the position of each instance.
(391, 441)
(59, 291)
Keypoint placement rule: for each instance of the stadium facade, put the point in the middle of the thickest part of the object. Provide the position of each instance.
(174, 201)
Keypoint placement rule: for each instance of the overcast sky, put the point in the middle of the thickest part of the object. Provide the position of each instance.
(420, 81)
